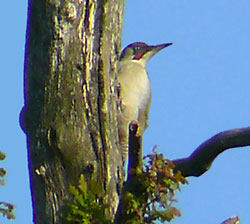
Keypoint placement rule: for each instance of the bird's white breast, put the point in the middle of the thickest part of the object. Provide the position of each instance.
(135, 86)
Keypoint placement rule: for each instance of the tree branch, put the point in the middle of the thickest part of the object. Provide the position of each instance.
(135, 161)
(201, 159)
(232, 220)
(132, 186)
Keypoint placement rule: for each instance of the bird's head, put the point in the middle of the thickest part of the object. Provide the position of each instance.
(141, 52)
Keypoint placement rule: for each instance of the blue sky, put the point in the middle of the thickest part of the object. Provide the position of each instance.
(200, 87)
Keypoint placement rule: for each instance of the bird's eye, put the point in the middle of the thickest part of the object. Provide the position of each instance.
(136, 49)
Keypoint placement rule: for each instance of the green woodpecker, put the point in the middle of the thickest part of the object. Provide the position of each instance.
(134, 88)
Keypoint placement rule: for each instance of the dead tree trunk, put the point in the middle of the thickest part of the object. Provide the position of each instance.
(70, 111)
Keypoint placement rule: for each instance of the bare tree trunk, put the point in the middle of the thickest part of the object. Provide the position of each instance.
(70, 112)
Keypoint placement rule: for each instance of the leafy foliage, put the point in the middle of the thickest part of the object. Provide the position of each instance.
(6, 209)
(148, 196)
(85, 207)
(2, 170)
(162, 184)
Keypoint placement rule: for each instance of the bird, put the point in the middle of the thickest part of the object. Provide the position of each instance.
(134, 89)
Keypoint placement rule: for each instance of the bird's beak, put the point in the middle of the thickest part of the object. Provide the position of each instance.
(157, 48)
(153, 49)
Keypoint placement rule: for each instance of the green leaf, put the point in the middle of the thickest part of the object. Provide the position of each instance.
(2, 156)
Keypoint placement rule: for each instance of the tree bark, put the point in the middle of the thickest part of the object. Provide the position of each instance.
(70, 111)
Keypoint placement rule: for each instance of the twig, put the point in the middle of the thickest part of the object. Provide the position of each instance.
(232, 220)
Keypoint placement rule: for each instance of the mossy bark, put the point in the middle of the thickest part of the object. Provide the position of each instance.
(70, 111)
